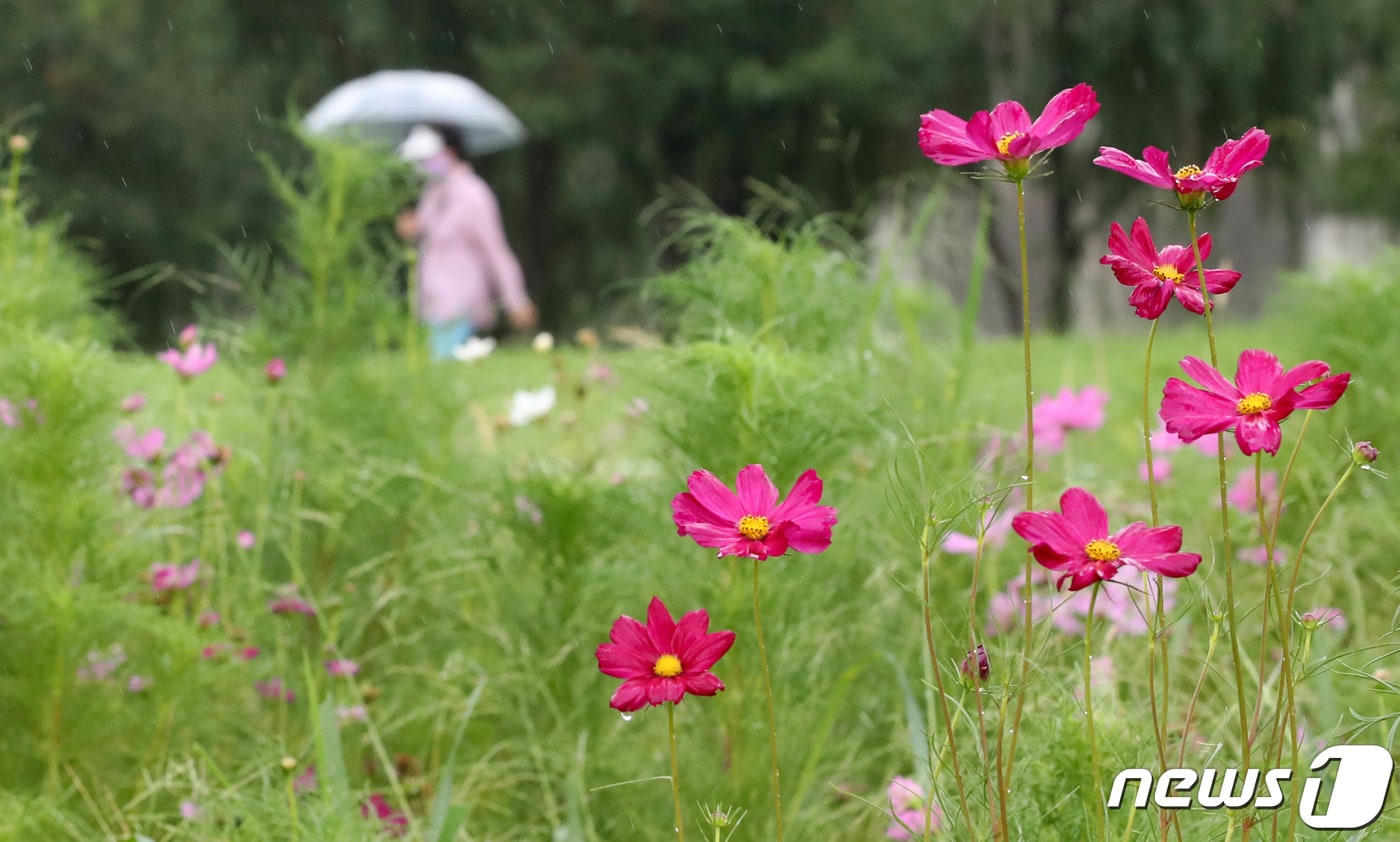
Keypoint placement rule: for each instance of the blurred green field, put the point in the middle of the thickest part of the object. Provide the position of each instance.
(471, 567)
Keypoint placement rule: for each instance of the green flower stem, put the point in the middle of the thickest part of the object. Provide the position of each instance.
(772, 719)
(976, 672)
(926, 553)
(1029, 481)
(1089, 709)
(1236, 659)
(1155, 632)
(1289, 672)
(675, 770)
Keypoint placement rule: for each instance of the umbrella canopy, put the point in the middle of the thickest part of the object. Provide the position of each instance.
(389, 103)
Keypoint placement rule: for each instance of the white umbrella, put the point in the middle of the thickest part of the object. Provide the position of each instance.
(388, 103)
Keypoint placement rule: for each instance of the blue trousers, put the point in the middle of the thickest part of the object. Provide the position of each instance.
(445, 336)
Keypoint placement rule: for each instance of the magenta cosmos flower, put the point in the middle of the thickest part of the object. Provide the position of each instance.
(1158, 276)
(1262, 395)
(1076, 543)
(662, 660)
(1218, 178)
(752, 523)
(192, 361)
(1006, 133)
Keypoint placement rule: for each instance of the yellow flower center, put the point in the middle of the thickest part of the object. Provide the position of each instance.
(1254, 403)
(1101, 550)
(1004, 145)
(667, 666)
(1188, 171)
(1168, 273)
(753, 527)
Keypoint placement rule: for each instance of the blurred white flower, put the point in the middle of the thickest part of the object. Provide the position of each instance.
(544, 342)
(474, 348)
(527, 406)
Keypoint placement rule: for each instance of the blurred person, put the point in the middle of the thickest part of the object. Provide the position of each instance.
(465, 264)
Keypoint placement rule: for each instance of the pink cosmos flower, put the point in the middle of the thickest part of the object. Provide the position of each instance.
(275, 370)
(274, 690)
(137, 684)
(1076, 543)
(174, 577)
(1193, 184)
(246, 540)
(1006, 133)
(1068, 410)
(395, 822)
(1158, 276)
(189, 811)
(752, 523)
(1262, 395)
(9, 414)
(145, 447)
(192, 361)
(342, 667)
(289, 601)
(1260, 555)
(909, 806)
(1241, 492)
(662, 660)
(1161, 469)
(133, 403)
(188, 336)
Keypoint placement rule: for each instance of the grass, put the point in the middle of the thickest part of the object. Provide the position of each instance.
(471, 568)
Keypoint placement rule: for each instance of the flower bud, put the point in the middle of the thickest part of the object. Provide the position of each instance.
(188, 336)
(289, 763)
(19, 144)
(544, 343)
(977, 659)
(1365, 453)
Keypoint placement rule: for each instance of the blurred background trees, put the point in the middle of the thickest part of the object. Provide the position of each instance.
(150, 119)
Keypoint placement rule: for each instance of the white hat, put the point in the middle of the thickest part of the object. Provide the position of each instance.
(422, 143)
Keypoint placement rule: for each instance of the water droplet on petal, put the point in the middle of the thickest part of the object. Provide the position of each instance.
(627, 717)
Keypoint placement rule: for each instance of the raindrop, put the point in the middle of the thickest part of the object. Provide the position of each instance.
(1024, 478)
(244, 230)
(451, 36)
(124, 181)
(28, 65)
(106, 145)
(170, 23)
(627, 717)
(258, 111)
(551, 47)
(720, 28)
(783, 143)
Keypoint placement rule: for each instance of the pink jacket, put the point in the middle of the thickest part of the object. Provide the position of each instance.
(464, 261)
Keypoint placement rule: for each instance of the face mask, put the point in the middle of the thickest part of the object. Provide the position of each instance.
(437, 166)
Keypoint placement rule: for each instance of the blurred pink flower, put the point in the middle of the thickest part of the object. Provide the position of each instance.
(352, 713)
(342, 667)
(101, 667)
(909, 807)
(174, 577)
(1260, 555)
(996, 526)
(1068, 410)
(189, 811)
(600, 373)
(288, 601)
(145, 447)
(1161, 469)
(274, 690)
(395, 822)
(209, 619)
(1241, 492)
(275, 370)
(9, 415)
(246, 540)
(137, 684)
(193, 361)
(188, 336)
(133, 402)
(306, 781)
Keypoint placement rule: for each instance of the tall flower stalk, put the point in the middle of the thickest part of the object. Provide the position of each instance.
(768, 695)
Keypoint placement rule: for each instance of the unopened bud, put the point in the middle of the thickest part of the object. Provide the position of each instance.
(1365, 453)
(19, 144)
(977, 660)
(289, 763)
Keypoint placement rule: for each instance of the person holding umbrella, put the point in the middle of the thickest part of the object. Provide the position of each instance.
(465, 264)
